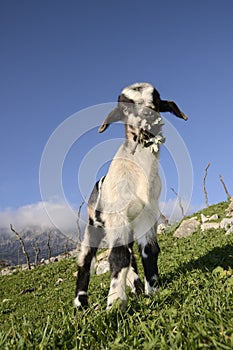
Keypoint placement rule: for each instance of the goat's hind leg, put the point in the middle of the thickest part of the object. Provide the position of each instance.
(86, 260)
(133, 281)
(119, 260)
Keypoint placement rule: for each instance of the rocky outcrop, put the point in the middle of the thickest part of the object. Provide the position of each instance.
(226, 223)
(11, 269)
(187, 228)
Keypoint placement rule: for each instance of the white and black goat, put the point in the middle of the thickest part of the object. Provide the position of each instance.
(123, 206)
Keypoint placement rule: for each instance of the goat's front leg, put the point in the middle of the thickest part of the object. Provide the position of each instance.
(119, 261)
(86, 260)
(149, 250)
(84, 272)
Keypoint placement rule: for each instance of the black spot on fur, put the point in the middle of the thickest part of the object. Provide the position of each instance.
(98, 218)
(83, 300)
(119, 258)
(135, 137)
(90, 221)
(150, 262)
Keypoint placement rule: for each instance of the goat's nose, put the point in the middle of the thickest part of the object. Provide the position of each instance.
(149, 110)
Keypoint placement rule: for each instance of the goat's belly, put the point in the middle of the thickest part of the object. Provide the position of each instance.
(145, 220)
(134, 209)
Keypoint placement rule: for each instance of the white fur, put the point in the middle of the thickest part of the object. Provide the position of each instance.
(129, 194)
(76, 300)
(117, 289)
(131, 278)
(144, 97)
(150, 290)
(83, 252)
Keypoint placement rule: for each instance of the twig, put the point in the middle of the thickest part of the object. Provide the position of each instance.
(225, 187)
(179, 201)
(48, 245)
(203, 185)
(164, 218)
(37, 253)
(67, 248)
(22, 246)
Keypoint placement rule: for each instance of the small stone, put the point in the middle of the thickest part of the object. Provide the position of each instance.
(60, 280)
(103, 255)
(6, 300)
(204, 218)
(229, 231)
(102, 267)
(161, 228)
(213, 217)
(209, 225)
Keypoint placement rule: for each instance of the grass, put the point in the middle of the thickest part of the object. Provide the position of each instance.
(194, 309)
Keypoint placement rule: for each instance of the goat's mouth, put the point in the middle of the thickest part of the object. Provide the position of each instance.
(148, 139)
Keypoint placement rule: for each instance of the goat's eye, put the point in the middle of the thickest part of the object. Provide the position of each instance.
(137, 88)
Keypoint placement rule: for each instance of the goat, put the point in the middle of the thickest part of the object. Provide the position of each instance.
(123, 206)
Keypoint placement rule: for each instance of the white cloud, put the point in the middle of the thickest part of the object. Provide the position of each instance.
(42, 214)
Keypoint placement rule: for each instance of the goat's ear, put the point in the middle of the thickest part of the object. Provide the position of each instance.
(114, 116)
(170, 106)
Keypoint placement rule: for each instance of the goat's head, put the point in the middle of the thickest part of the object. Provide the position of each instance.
(139, 107)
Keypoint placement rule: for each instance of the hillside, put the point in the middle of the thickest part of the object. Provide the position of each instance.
(11, 252)
(194, 309)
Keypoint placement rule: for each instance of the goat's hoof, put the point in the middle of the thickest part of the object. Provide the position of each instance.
(81, 301)
(117, 304)
(153, 291)
(139, 286)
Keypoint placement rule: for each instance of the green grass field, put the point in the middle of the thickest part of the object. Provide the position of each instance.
(194, 309)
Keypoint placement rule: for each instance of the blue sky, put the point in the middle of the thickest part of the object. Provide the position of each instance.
(60, 57)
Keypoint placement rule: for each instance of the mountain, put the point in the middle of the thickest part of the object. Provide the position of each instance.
(49, 241)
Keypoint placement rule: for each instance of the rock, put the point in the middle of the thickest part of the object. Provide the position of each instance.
(226, 223)
(204, 218)
(6, 300)
(187, 228)
(209, 225)
(213, 217)
(161, 228)
(60, 280)
(102, 267)
(229, 231)
(103, 255)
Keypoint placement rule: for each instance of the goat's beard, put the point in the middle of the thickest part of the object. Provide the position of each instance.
(150, 134)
